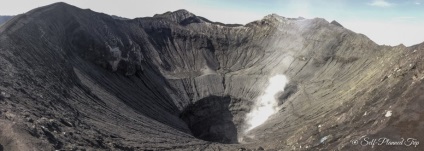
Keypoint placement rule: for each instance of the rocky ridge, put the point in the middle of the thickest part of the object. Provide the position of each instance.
(76, 79)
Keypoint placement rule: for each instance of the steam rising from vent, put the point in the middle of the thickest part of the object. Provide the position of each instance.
(267, 104)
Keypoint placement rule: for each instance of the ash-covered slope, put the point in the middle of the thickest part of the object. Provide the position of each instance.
(77, 79)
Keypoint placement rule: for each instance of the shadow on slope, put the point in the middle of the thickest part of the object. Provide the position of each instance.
(210, 119)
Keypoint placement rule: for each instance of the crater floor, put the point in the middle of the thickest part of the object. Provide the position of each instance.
(74, 79)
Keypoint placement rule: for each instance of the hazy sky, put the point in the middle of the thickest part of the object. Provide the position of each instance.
(389, 22)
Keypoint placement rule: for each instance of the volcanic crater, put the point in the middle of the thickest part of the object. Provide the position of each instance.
(75, 79)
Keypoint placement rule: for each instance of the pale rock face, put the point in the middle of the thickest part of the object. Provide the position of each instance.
(116, 57)
(176, 81)
(388, 114)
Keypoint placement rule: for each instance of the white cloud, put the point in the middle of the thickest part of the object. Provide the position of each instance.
(404, 18)
(417, 3)
(381, 3)
(388, 32)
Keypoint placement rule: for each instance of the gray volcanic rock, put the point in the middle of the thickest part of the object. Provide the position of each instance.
(74, 79)
(336, 23)
(119, 17)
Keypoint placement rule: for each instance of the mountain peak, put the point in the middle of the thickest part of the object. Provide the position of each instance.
(53, 8)
(55, 5)
(182, 11)
(334, 22)
(184, 17)
(60, 4)
(281, 18)
(176, 16)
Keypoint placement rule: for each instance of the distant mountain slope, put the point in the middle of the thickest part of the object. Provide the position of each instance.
(74, 79)
(4, 19)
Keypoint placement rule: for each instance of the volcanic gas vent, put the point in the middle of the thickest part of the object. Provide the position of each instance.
(179, 82)
(210, 119)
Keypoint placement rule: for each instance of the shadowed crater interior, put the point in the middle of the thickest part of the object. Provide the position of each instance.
(210, 119)
(75, 79)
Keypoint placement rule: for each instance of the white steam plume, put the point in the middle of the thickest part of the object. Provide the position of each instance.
(266, 105)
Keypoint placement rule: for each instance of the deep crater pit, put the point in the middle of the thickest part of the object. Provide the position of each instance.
(210, 119)
(223, 119)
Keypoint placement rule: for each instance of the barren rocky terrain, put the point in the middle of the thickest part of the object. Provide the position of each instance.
(75, 79)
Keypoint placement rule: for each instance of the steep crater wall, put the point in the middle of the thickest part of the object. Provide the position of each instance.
(177, 81)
